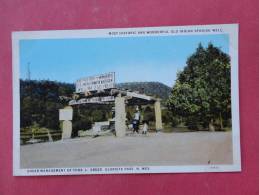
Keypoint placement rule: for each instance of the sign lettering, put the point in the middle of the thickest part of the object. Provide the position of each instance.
(95, 83)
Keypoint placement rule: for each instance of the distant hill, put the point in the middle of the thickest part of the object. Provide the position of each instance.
(155, 89)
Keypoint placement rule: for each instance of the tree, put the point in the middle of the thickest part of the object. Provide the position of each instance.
(148, 114)
(40, 102)
(201, 93)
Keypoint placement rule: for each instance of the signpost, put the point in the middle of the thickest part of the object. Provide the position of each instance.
(66, 114)
(96, 83)
(93, 100)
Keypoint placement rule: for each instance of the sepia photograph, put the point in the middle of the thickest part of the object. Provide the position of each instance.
(126, 100)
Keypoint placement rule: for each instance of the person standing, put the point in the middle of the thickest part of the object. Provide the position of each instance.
(145, 127)
(136, 121)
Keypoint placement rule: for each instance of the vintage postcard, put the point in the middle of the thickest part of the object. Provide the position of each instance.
(126, 100)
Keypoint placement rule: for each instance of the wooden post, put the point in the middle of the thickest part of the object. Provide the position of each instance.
(158, 115)
(120, 116)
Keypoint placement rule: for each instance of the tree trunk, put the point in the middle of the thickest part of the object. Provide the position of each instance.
(78, 110)
(221, 121)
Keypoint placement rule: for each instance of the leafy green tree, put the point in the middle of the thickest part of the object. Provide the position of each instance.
(148, 114)
(40, 102)
(201, 93)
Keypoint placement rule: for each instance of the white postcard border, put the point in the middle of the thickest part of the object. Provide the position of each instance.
(230, 29)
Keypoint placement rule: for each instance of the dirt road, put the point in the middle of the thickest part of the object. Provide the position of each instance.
(195, 148)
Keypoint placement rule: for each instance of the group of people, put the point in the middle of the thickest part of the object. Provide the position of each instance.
(136, 123)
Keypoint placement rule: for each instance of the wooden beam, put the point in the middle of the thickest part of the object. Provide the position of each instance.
(140, 96)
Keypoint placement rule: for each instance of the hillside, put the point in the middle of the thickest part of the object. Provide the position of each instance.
(56, 89)
(150, 88)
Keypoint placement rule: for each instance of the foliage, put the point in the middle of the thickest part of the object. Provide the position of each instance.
(169, 119)
(86, 115)
(40, 102)
(201, 93)
(148, 114)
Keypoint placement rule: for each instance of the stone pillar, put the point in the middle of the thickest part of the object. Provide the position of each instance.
(66, 116)
(158, 115)
(120, 116)
(66, 129)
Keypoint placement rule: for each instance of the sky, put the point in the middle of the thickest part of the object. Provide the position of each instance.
(156, 58)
